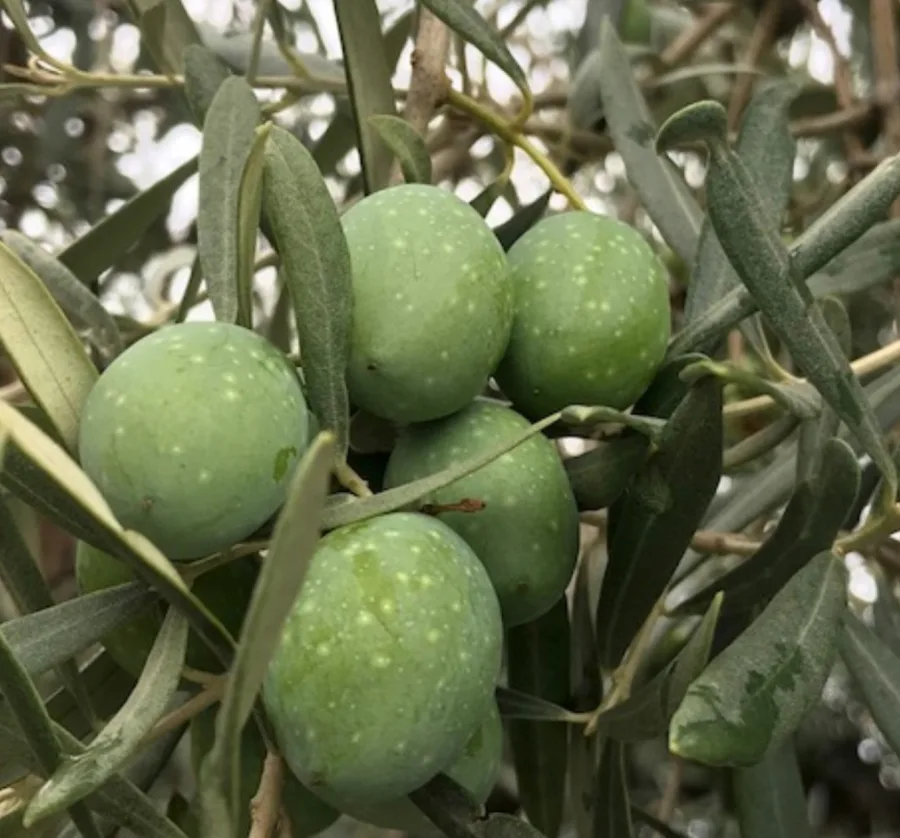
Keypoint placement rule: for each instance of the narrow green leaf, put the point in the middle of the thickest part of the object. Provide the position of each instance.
(120, 799)
(340, 512)
(148, 563)
(369, 84)
(248, 221)
(22, 578)
(462, 17)
(79, 304)
(108, 753)
(109, 240)
(875, 668)
(660, 187)
(407, 145)
(759, 444)
(281, 578)
(204, 74)
(769, 796)
(809, 524)
(515, 704)
(19, 18)
(50, 636)
(846, 220)
(756, 692)
(167, 31)
(814, 434)
(768, 148)
(315, 265)
(538, 655)
(658, 517)
(646, 713)
(228, 134)
(511, 230)
(448, 806)
(26, 706)
(612, 809)
(767, 269)
(886, 614)
(599, 476)
(43, 346)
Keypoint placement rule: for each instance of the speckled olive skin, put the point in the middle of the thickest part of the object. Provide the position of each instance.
(476, 771)
(432, 303)
(308, 815)
(225, 591)
(192, 435)
(527, 534)
(592, 317)
(388, 661)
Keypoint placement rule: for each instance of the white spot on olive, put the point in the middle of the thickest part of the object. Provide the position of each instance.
(380, 661)
(364, 618)
(198, 359)
(386, 606)
(232, 395)
(204, 476)
(323, 650)
(433, 636)
(403, 577)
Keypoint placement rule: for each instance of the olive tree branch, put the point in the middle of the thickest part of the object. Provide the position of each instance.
(265, 807)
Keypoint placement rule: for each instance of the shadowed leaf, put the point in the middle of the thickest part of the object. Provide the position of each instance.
(612, 809)
(407, 145)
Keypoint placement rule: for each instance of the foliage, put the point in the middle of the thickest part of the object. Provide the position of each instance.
(677, 533)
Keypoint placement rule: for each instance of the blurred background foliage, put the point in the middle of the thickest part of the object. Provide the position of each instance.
(67, 161)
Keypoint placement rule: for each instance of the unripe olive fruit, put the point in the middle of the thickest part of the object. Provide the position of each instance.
(226, 591)
(476, 771)
(387, 662)
(592, 315)
(527, 533)
(307, 814)
(192, 435)
(432, 303)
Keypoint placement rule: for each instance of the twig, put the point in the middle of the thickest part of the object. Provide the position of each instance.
(723, 544)
(764, 34)
(428, 84)
(191, 708)
(861, 366)
(690, 40)
(883, 23)
(265, 806)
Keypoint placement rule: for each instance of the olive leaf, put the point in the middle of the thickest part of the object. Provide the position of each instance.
(809, 524)
(886, 614)
(407, 145)
(660, 187)
(582, 416)
(120, 737)
(761, 443)
(281, 578)
(120, 799)
(204, 74)
(340, 511)
(110, 239)
(26, 707)
(612, 807)
(875, 668)
(814, 434)
(515, 704)
(770, 798)
(248, 222)
(147, 562)
(315, 265)
(755, 693)
(167, 31)
(773, 277)
(79, 304)
(462, 17)
(599, 476)
(49, 637)
(646, 713)
(768, 148)
(659, 514)
(23, 580)
(511, 230)
(369, 85)
(42, 345)
(228, 134)
(538, 655)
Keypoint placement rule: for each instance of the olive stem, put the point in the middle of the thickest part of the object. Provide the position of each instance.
(861, 366)
(514, 136)
(187, 711)
(351, 481)
(265, 807)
